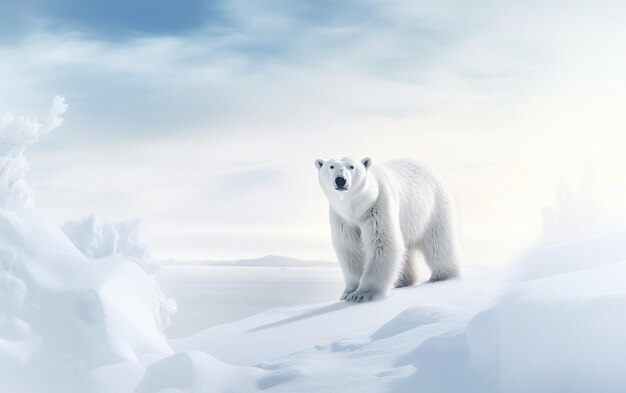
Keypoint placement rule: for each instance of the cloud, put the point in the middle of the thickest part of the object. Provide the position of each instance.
(111, 20)
(502, 98)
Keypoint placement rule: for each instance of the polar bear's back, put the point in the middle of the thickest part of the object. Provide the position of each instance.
(412, 176)
(421, 194)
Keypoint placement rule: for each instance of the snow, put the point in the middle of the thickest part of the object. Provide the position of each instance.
(15, 133)
(97, 240)
(25, 130)
(185, 371)
(81, 311)
(64, 313)
(557, 330)
(68, 313)
(560, 333)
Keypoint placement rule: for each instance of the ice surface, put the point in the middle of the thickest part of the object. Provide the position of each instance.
(212, 295)
(268, 260)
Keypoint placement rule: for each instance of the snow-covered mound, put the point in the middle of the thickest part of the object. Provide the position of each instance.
(560, 333)
(63, 313)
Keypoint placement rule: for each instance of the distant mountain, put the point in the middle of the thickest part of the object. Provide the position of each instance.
(268, 260)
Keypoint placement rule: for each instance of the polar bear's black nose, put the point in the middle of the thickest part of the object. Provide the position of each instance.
(340, 181)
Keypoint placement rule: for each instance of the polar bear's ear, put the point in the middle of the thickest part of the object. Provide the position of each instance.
(367, 162)
(319, 163)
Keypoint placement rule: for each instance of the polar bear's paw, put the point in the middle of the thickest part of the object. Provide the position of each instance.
(364, 295)
(347, 293)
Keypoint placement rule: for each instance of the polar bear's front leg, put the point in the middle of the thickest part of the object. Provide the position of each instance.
(347, 243)
(384, 248)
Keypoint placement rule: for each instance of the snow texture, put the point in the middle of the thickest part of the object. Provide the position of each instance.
(15, 133)
(96, 240)
(64, 314)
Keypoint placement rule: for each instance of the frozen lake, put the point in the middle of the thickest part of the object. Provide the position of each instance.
(212, 295)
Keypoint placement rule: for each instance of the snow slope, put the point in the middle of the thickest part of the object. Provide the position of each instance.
(554, 323)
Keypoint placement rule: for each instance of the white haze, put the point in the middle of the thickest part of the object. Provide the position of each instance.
(213, 145)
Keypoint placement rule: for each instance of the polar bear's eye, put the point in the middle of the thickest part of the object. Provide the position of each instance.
(351, 166)
(332, 167)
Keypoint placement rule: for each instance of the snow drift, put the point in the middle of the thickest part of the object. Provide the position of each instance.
(97, 240)
(64, 311)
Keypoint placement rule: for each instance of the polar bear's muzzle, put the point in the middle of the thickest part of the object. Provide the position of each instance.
(341, 183)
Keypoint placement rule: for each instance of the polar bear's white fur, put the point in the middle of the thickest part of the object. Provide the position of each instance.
(381, 215)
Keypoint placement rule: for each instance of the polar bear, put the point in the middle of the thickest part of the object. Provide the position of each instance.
(381, 215)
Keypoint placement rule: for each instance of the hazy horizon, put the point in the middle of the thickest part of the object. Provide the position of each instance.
(205, 120)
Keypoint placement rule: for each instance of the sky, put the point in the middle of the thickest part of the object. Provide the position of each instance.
(204, 118)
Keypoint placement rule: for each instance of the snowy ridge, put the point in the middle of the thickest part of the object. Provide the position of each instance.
(97, 240)
(16, 132)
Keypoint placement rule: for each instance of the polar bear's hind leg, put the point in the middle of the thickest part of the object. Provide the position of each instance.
(440, 250)
(408, 274)
(440, 253)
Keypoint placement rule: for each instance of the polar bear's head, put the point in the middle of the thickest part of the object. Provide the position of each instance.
(342, 174)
